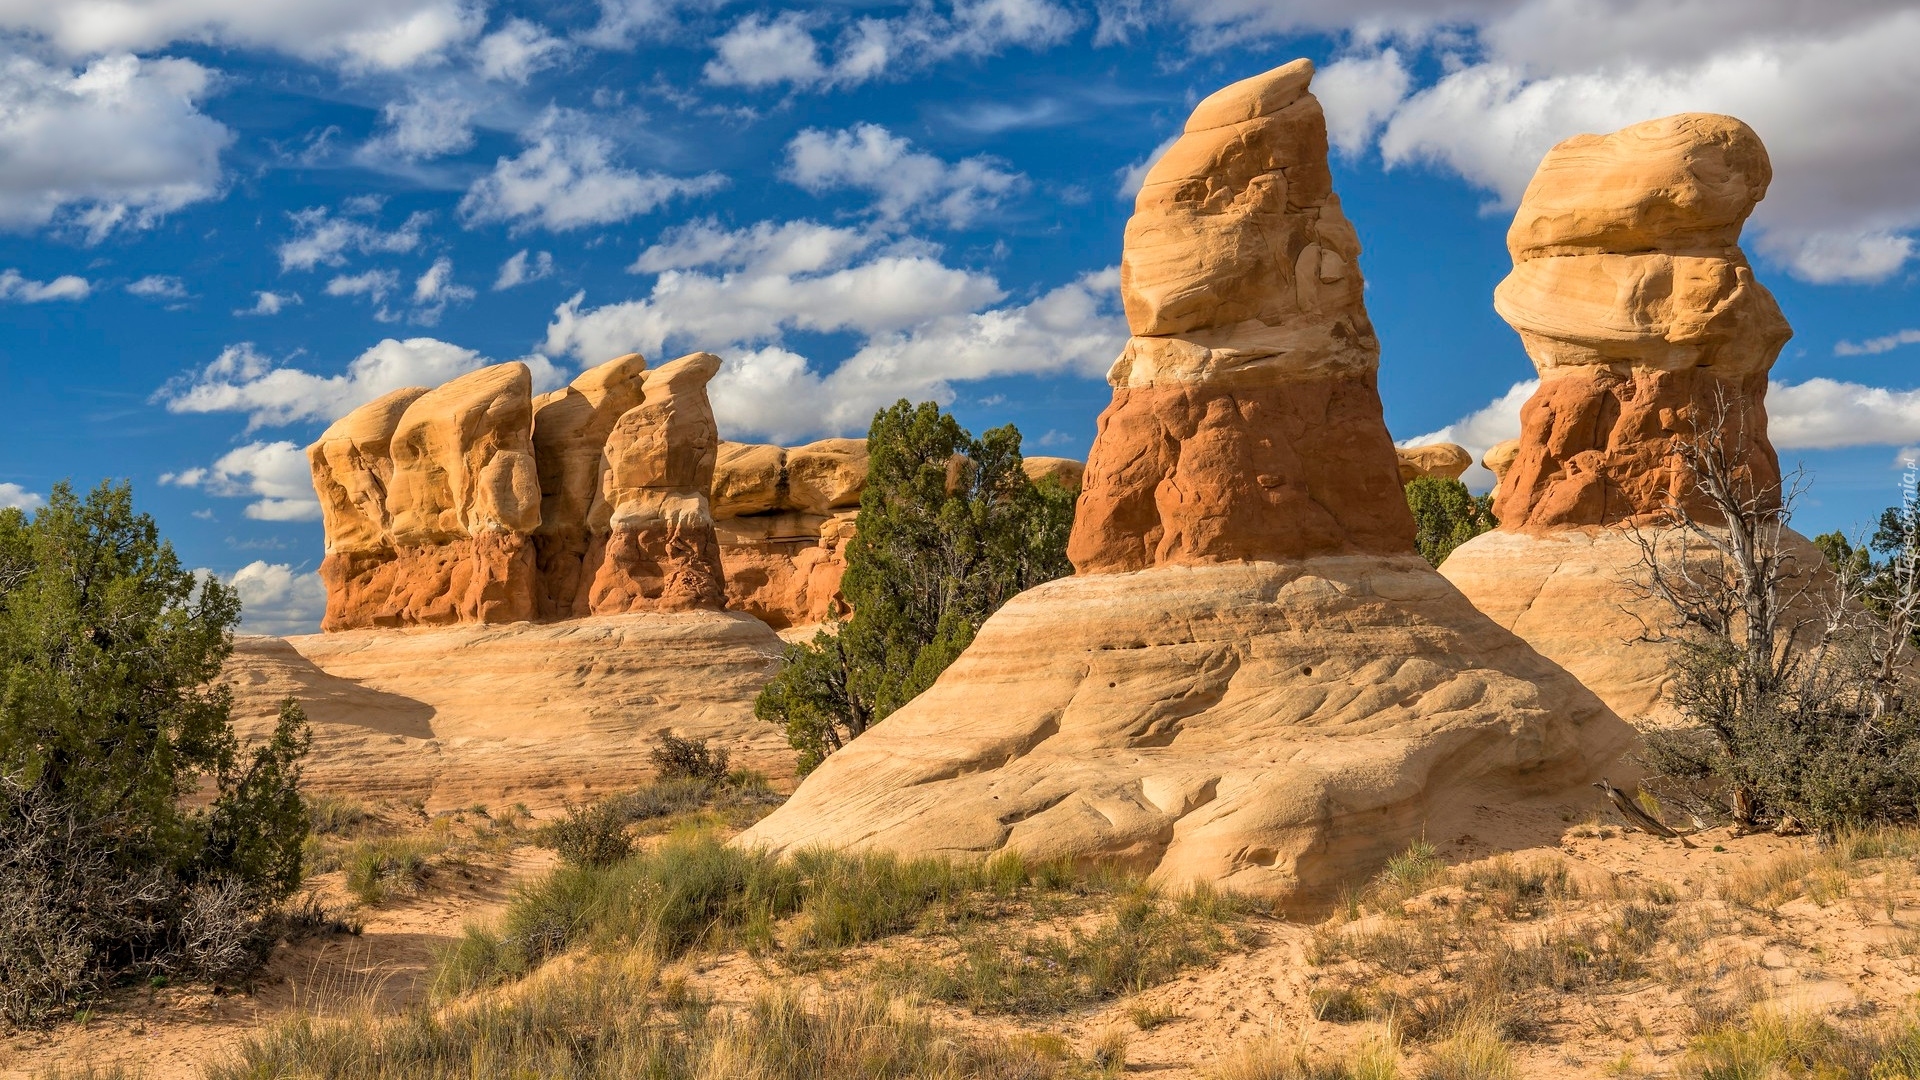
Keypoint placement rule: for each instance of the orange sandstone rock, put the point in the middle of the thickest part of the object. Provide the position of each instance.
(570, 429)
(1445, 460)
(1245, 421)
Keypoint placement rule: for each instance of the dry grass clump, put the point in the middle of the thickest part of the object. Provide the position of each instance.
(383, 863)
(1768, 1043)
(601, 833)
(1147, 939)
(613, 1017)
(1826, 875)
(1274, 1057)
(1475, 1051)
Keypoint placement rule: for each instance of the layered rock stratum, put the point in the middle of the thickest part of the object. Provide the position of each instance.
(784, 516)
(1645, 322)
(473, 502)
(1252, 679)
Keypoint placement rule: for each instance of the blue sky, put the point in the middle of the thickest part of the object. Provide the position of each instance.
(228, 221)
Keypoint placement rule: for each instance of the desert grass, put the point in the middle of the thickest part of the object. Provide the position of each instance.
(1145, 940)
(614, 1017)
(1279, 1057)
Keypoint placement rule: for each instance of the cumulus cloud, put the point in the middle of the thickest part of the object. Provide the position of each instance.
(434, 290)
(1876, 346)
(115, 145)
(13, 286)
(375, 285)
(922, 325)
(322, 238)
(904, 182)
(1496, 422)
(1135, 175)
(269, 303)
(522, 267)
(567, 178)
(517, 50)
(275, 475)
(1510, 78)
(277, 599)
(363, 34)
(273, 393)
(13, 496)
(159, 287)
(758, 51)
(426, 125)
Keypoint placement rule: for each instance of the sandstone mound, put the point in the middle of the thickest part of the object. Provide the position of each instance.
(515, 713)
(1641, 314)
(1445, 460)
(475, 503)
(1253, 680)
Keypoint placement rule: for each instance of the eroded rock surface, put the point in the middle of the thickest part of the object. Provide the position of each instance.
(1245, 421)
(1252, 680)
(1444, 460)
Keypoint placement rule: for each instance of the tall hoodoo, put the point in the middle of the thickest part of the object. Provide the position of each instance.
(1253, 679)
(1640, 312)
(1246, 420)
(1631, 295)
(570, 429)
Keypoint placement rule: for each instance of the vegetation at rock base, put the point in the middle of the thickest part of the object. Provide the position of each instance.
(950, 528)
(112, 737)
(1795, 684)
(1446, 515)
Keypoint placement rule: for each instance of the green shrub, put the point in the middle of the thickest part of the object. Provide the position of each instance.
(684, 759)
(1446, 515)
(593, 835)
(112, 733)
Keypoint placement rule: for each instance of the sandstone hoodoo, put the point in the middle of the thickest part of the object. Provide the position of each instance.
(1253, 679)
(1643, 318)
(474, 502)
(784, 516)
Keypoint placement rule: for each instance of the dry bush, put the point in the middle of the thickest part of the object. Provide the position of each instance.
(676, 758)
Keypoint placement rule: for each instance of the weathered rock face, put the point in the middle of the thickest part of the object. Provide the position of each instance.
(653, 546)
(473, 503)
(1245, 421)
(784, 518)
(570, 430)
(1632, 296)
(1499, 458)
(1066, 471)
(1304, 696)
(461, 496)
(1444, 460)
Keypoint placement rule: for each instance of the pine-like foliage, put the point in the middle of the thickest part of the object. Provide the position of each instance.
(950, 528)
(128, 813)
(1446, 515)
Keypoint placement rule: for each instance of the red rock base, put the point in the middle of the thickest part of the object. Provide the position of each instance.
(660, 568)
(1596, 445)
(490, 578)
(784, 585)
(1190, 475)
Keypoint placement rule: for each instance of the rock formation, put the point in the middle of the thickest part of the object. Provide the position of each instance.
(1065, 471)
(1444, 460)
(1499, 458)
(1252, 680)
(475, 503)
(784, 518)
(500, 714)
(1631, 295)
(1245, 421)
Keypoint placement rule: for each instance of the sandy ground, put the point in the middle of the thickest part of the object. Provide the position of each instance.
(1842, 957)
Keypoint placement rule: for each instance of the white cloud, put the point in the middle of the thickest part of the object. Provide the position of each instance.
(622, 22)
(905, 182)
(277, 599)
(1823, 414)
(375, 285)
(1496, 422)
(1528, 73)
(758, 51)
(269, 303)
(1134, 175)
(273, 394)
(379, 34)
(521, 267)
(517, 50)
(65, 287)
(16, 497)
(116, 145)
(566, 179)
(922, 325)
(320, 238)
(435, 289)
(427, 125)
(1876, 346)
(159, 286)
(274, 474)
(1359, 94)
